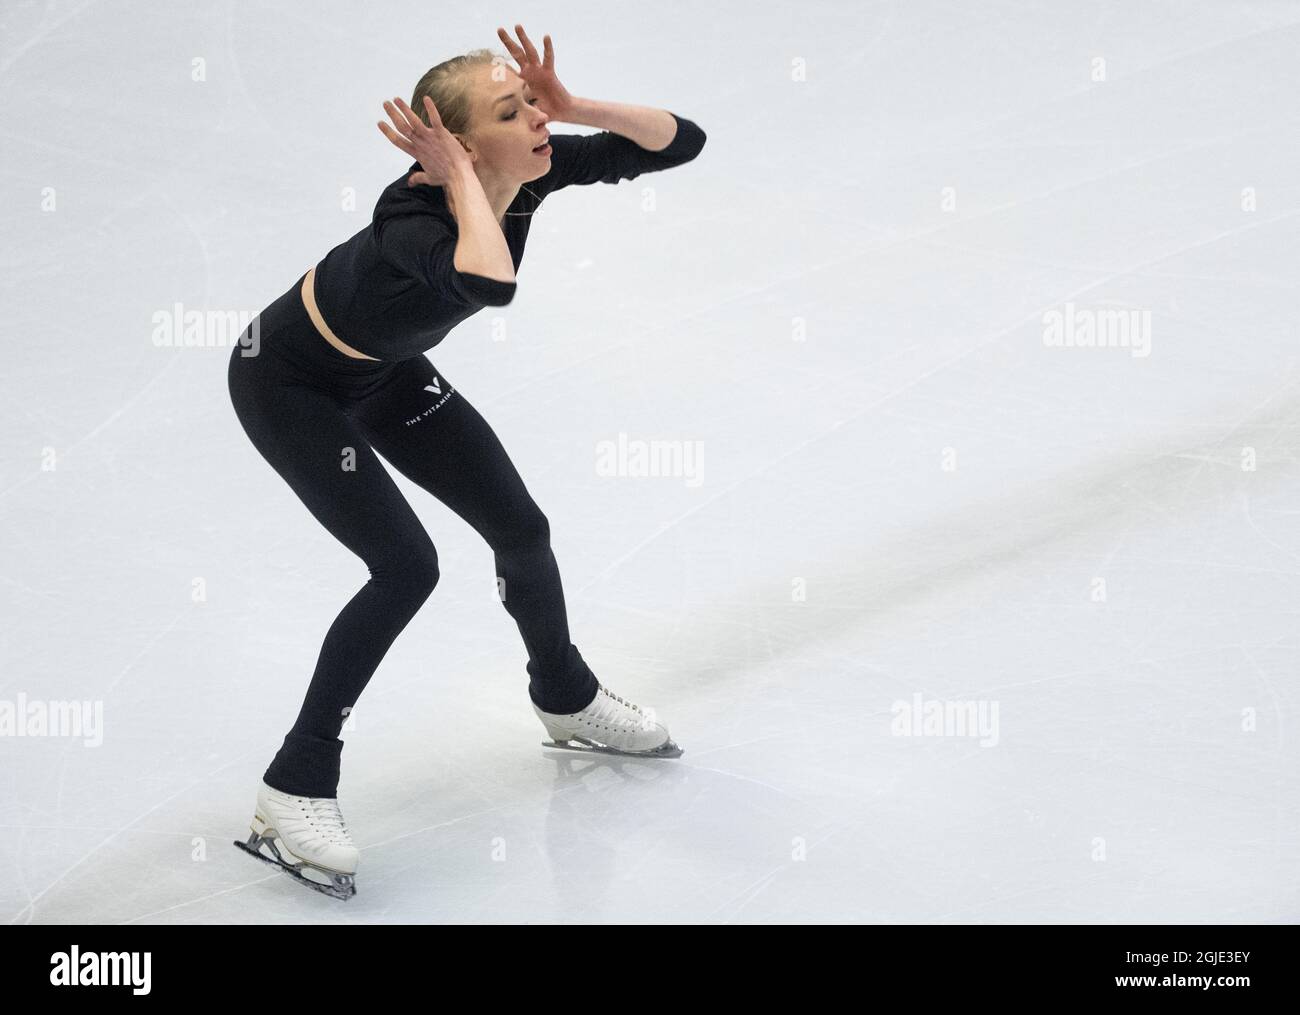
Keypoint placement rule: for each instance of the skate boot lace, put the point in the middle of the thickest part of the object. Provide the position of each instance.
(331, 820)
(325, 817)
(608, 712)
(621, 701)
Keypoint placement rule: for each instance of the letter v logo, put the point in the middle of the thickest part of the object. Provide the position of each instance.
(434, 387)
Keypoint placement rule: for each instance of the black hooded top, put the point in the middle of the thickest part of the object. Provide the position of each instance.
(392, 290)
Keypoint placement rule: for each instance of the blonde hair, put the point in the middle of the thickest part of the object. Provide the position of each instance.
(448, 85)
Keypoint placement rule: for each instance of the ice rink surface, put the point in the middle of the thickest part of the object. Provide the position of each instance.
(915, 494)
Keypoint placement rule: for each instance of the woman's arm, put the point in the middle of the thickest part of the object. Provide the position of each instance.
(608, 157)
(632, 139)
(481, 248)
(652, 129)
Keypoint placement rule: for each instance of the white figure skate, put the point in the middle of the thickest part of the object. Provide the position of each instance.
(305, 835)
(609, 725)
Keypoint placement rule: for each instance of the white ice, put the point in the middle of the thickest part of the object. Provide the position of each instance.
(906, 494)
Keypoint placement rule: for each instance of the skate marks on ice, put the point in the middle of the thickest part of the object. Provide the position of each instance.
(1119, 491)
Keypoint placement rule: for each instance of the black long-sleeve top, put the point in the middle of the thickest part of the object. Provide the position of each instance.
(392, 291)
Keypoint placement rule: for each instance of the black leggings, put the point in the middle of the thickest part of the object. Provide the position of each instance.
(318, 417)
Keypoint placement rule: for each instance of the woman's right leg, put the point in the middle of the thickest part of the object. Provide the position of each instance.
(304, 434)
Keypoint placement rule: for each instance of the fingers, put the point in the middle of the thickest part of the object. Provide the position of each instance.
(527, 53)
(396, 138)
(434, 119)
(399, 119)
(409, 122)
(529, 49)
(548, 61)
(511, 48)
(414, 117)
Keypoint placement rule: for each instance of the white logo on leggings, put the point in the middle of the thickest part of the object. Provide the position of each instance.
(436, 388)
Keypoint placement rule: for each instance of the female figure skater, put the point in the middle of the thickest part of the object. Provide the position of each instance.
(341, 375)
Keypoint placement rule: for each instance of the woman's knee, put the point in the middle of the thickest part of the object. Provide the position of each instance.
(413, 566)
(529, 531)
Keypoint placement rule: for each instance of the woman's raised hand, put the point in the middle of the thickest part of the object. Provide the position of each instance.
(553, 98)
(438, 151)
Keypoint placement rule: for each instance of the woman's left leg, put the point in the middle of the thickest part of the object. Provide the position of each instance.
(428, 431)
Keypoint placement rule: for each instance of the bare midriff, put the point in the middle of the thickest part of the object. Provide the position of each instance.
(313, 311)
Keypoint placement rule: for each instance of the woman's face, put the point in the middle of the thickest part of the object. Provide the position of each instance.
(506, 127)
